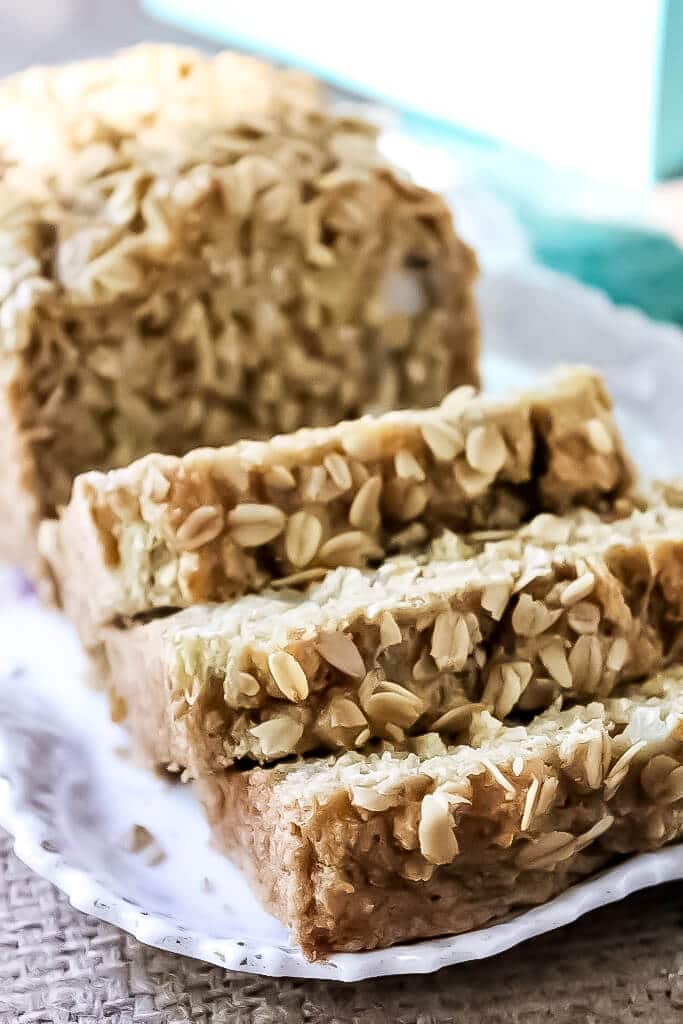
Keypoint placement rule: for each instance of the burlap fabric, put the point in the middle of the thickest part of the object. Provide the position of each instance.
(621, 964)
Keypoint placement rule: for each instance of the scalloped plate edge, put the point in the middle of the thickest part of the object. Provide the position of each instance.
(32, 846)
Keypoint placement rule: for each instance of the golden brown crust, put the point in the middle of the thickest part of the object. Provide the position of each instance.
(360, 853)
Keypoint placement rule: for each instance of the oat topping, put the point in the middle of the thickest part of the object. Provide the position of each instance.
(420, 645)
(438, 844)
(554, 742)
(289, 676)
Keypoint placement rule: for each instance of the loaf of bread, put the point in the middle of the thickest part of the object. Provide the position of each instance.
(196, 250)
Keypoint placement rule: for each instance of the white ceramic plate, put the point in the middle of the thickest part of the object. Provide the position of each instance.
(71, 798)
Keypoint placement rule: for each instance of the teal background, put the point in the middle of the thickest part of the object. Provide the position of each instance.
(667, 123)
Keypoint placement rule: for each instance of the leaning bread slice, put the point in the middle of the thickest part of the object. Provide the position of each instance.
(358, 852)
(169, 532)
(565, 608)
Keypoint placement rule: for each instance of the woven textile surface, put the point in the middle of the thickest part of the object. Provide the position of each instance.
(620, 964)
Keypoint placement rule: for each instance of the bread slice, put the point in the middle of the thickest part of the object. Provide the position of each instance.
(171, 532)
(357, 852)
(564, 609)
(199, 249)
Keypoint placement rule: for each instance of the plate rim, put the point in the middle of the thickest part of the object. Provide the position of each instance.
(32, 845)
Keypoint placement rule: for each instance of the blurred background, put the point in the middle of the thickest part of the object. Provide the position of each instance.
(40, 32)
(559, 123)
